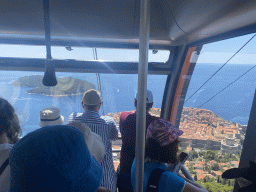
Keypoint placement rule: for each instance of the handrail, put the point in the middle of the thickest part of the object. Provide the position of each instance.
(142, 86)
(186, 173)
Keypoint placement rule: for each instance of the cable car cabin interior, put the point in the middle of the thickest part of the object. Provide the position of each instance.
(197, 57)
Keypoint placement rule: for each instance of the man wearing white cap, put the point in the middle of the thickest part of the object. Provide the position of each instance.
(50, 116)
(103, 126)
(127, 127)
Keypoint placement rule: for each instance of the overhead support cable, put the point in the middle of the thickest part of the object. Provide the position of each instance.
(142, 86)
(49, 75)
(220, 68)
(95, 56)
(228, 86)
(166, 3)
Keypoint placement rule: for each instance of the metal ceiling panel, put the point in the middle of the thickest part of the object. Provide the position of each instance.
(21, 17)
(115, 22)
(21, 64)
(101, 18)
(203, 19)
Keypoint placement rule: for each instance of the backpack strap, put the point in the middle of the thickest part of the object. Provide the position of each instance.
(4, 165)
(154, 180)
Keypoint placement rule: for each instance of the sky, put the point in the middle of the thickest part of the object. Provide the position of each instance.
(217, 52)
(79, 53)
(221, 51)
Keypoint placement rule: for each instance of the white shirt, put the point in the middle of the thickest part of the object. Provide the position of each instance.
(5, 176)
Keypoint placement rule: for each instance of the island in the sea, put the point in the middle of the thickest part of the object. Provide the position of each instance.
(66, 86)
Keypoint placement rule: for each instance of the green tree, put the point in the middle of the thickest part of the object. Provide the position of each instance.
(202, 153)
(216, 187)
(195, 177)
(215, 167)
(191, 169)
(193, 155)
(229, 157)
(207, 168)
(210, 187)
(224, 181)
(210, 155)
(218, 179)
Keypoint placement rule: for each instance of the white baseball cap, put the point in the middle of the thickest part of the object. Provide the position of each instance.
(149, 97)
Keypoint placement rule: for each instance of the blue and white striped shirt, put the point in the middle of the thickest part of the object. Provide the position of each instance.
(106, 128)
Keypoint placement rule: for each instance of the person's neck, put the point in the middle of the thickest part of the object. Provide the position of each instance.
(91, 111)
(4, 139)
(146, 111)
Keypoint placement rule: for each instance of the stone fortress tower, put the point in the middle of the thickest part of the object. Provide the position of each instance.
(230, 145)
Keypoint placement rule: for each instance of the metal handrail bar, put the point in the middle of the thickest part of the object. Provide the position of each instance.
(186, 173)
(142, 86)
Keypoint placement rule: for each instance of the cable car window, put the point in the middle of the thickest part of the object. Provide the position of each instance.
(77, 53)
(24, 90)
(103, 54)
(132, 55)
(22, 51)
(217, 108)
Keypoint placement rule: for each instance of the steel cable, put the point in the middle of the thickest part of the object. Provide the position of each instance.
(220, 68)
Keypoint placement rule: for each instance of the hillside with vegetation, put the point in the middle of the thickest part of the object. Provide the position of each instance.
(66, 86)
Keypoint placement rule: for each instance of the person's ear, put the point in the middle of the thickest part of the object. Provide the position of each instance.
(99, 107)
(82, 104)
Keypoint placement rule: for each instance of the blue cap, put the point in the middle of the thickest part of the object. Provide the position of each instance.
(54, 158)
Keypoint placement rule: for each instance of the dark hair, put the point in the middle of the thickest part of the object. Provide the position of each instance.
(148, 105)
(165, 154)
(9, 121)
(92, 107)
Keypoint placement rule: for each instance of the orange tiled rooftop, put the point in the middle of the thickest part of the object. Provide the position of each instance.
(202, 176)
(200, 171)
(116, 147)
(116, 164)
(218, 173)
(225, 168)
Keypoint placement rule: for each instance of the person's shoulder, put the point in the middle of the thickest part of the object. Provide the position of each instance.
(124, 115)
(5, 149)
(127, 112)
(108, 119)
(6, 146)
(75, 116)
(151, 118)
(171, 178)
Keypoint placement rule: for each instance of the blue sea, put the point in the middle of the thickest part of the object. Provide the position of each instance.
(118, 90)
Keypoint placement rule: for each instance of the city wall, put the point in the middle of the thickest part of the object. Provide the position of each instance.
(197, 143)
